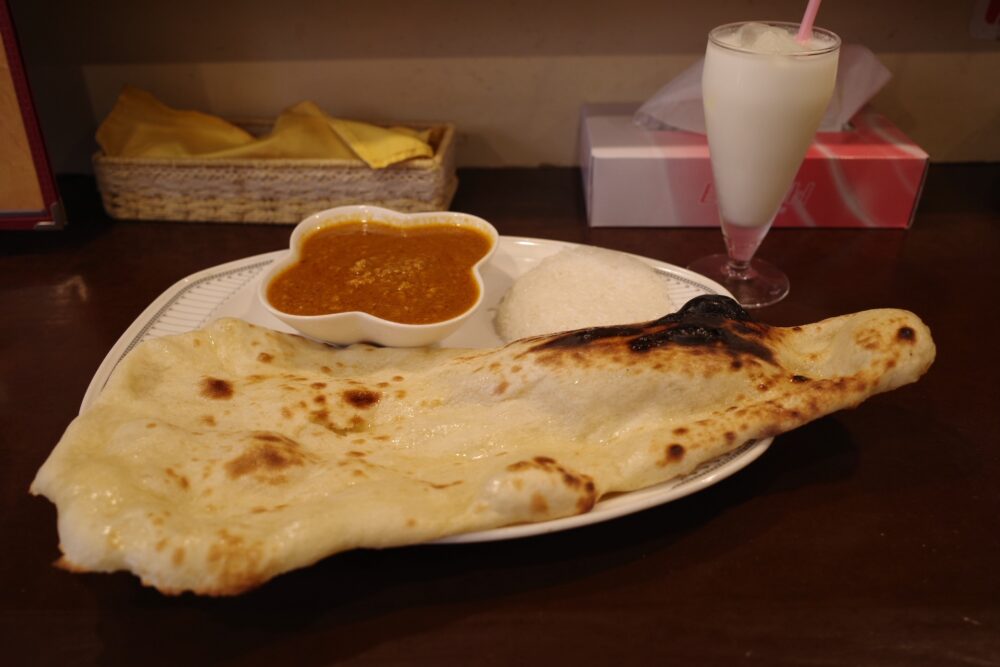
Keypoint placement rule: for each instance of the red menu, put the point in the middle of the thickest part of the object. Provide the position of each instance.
(28, 195)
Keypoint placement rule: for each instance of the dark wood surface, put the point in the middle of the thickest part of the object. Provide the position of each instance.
(869, 537)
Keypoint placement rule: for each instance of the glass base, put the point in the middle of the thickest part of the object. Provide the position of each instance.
(761, 284)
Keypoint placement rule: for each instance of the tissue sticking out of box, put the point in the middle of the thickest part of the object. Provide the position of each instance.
(677, 105)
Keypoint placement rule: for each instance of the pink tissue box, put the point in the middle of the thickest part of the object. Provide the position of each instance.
(870, 175)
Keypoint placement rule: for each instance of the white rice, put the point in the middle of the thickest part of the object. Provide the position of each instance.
(582, 287)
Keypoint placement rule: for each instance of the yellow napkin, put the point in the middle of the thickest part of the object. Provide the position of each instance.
(140, 125)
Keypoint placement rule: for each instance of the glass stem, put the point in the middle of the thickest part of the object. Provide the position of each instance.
(741, 245)
(738, 268)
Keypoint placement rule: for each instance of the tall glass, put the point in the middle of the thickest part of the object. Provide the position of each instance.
(762, 107)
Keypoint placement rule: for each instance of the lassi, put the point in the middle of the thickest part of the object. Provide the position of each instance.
(764, 95)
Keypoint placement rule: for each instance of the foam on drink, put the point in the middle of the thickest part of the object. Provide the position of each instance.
(775, 40)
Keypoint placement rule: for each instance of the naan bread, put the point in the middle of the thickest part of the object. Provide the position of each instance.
(217, 459)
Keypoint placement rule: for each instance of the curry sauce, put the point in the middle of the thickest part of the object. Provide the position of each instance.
(411, 275)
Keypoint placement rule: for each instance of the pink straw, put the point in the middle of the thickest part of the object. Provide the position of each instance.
(806, 27)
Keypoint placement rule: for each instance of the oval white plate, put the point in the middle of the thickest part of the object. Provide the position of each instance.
(230, 290)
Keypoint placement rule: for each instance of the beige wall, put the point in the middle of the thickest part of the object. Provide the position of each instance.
(512, 75)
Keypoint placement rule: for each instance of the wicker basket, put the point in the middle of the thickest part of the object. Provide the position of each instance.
(272, 190)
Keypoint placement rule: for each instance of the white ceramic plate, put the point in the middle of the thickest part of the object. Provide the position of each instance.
(230, 290)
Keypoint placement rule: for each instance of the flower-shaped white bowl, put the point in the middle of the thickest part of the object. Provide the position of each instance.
(355, 326)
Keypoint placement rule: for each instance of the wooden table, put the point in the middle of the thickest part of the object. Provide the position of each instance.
(869, 537)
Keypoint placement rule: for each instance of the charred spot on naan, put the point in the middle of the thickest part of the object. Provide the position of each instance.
(354, 425)
(216, 388)
(672, 454)
(706, 324)
(890, 344)
(579, 484)
(181, 480)
(538, 504)
(868, 339)
(267, 457)
(361, 398)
